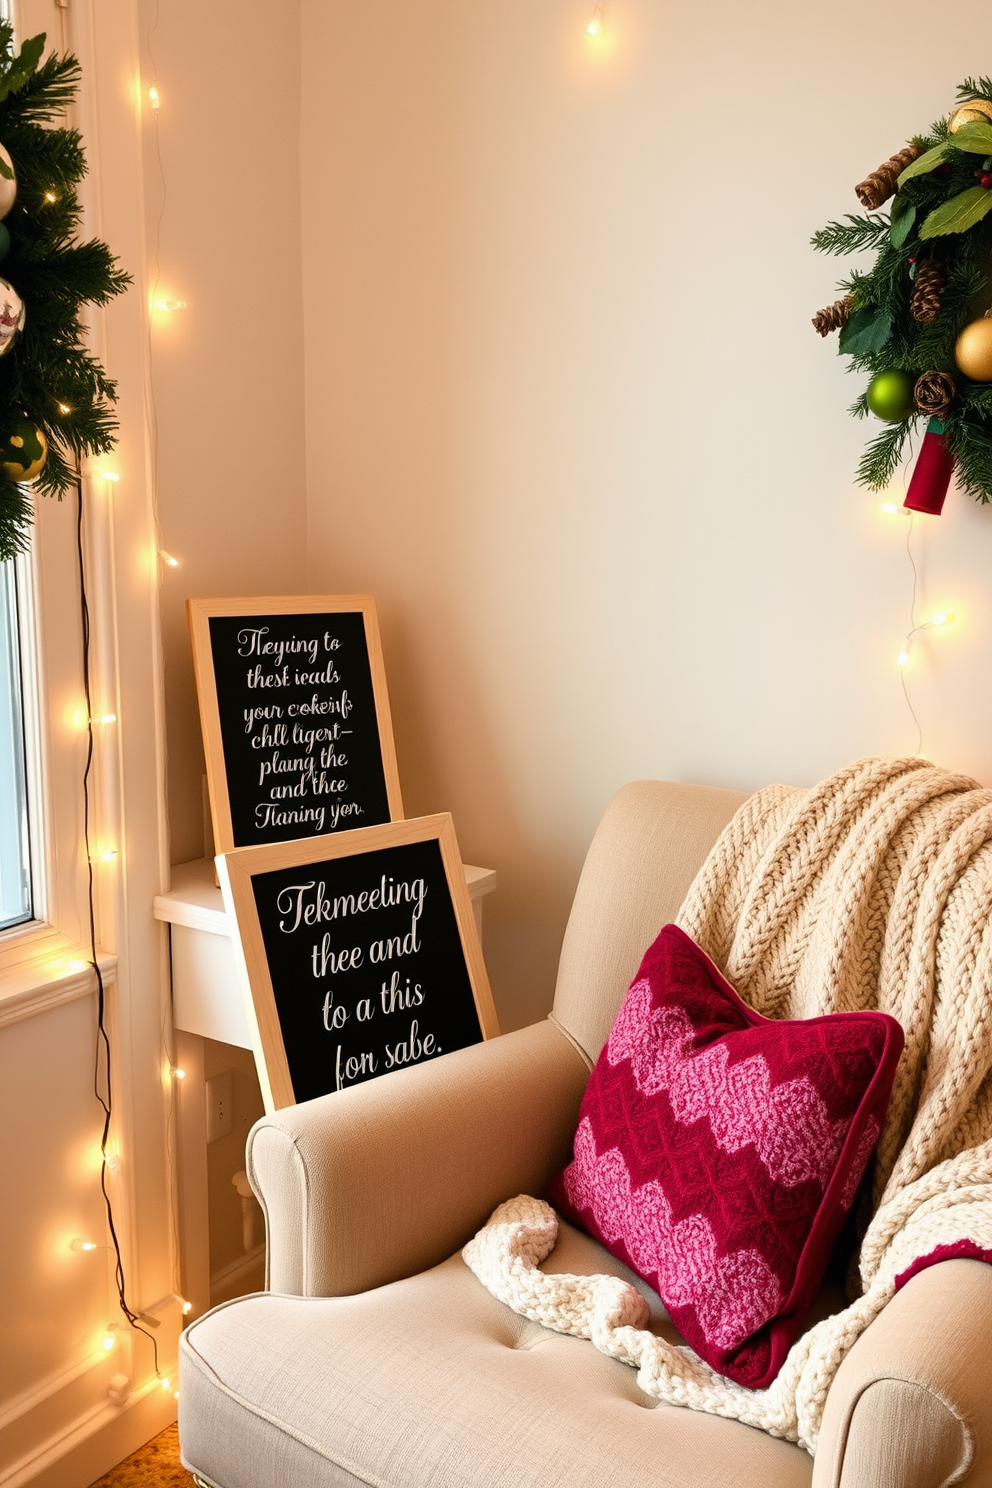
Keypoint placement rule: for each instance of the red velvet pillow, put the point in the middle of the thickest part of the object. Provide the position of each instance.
(718, 1152)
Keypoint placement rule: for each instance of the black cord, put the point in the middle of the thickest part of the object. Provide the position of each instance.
(102, 1057)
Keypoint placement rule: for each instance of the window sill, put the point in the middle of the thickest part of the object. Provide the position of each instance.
(35, 986)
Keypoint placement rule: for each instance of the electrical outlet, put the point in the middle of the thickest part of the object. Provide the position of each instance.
(220, 1106)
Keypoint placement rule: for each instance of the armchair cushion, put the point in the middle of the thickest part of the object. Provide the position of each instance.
(429, 1382)
(719, 1151)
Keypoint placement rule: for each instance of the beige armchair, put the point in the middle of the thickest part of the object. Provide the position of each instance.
(376, 1357)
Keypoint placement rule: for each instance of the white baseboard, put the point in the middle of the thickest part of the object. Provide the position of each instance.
(94, 1443)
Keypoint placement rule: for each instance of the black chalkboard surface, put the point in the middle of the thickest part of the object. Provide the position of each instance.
(295, 717)
(359, 955)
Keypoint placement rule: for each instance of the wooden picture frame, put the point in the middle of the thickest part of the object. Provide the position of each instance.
(305, 999)
(243, 816)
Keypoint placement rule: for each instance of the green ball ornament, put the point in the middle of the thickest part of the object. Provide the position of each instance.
(23, 451)
(890, 396)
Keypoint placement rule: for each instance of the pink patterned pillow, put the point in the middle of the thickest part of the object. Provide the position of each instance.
(718, 1152)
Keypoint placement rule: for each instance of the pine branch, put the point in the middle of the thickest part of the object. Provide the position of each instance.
(45, 96)
(976, 400)
(15, 519)
(48, 376)
(851, 236)
(883, 455)
(975, 88)
(971, 442)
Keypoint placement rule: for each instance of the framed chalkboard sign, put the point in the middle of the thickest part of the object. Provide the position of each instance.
(358, 954)
(295, 716)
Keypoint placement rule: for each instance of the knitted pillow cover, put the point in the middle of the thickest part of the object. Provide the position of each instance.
(718, 1152)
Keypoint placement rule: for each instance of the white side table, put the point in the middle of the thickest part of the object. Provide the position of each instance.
(207, 1002)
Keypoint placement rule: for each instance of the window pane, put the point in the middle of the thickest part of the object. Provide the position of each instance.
(15, 858)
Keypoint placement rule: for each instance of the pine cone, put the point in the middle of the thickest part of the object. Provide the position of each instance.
(834, 317)
(881, 184)
(928, 286)
(934, 393)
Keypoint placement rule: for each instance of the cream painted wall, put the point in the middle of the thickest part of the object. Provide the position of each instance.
(568, 419)
(227, 371)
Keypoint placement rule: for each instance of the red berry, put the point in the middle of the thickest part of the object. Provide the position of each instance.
(986, 181)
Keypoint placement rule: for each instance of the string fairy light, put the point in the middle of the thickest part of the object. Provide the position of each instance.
(595, 25)
(165, 557)
(102, 1063)
(164, 306)
(940, 621)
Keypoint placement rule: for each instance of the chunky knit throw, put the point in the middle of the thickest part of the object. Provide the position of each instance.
(872, 890)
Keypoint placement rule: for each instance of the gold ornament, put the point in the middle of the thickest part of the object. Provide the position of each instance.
(973, 350)
(975, 111)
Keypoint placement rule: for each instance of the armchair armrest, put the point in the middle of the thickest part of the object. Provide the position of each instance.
(386, 1178)
(912, 1402)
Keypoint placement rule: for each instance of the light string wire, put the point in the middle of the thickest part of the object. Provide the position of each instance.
(152, 415)
(151, 405)
(916, 628)
(913, 630)
(102, 1059)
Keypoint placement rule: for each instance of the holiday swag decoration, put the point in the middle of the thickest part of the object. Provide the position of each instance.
(55, 399)
(919, 322)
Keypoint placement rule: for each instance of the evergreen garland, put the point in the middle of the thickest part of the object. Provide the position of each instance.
(47, 376)
(939, 212)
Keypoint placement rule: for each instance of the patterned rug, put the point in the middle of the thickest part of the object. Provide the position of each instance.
(155, 1465)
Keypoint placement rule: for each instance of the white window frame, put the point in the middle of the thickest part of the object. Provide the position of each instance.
(55, 739)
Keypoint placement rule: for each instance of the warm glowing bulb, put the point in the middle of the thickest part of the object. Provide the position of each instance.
(167, 306)
(113, 1162)
(165, 1382)
(890, 508)
(153, 98)
(109, 855)
(175, 1394)
(106, 718)
(942, 619)
(903, 658)
(50, 196)
(179, 1074)
(76, 965)
(84, 1244)
(168, 559)
(109, 475)
(108, 1338)
(185, 1305)
(595, 25)
(64, 408)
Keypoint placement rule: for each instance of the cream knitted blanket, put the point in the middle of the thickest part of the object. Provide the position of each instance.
(872, 890)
